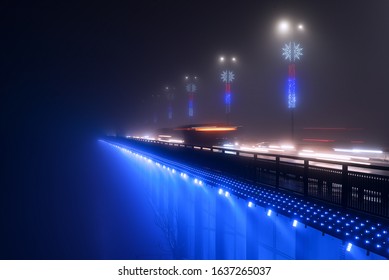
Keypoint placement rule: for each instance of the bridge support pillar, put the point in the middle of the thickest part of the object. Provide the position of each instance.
(306, 168)
(277, 172)
(344, 185)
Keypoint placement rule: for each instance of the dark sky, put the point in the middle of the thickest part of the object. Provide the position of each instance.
(75, 67)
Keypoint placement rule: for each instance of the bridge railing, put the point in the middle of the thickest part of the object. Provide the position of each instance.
(350, 185)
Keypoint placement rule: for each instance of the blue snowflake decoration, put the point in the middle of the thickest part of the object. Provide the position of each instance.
(292, 52)
(227, 76)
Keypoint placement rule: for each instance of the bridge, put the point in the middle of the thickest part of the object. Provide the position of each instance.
(349, 201)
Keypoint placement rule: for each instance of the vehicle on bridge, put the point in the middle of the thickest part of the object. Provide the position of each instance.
(200, 134)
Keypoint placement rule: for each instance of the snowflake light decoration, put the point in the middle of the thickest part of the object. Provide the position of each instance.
(287, 51)
(191, 88)
(227, 76)
(297, 51)
(292, 52)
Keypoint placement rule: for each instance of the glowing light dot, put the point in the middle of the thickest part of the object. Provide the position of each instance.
(250, 204)
(269, 212)
(283, 26)
(295, 223)
(349, 246)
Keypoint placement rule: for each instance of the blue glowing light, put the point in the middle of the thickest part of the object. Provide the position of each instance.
(190, 108)
(228, 98)
(227, 76)
(349, 246)
(291, 93)
(170, 113)
(367, 234)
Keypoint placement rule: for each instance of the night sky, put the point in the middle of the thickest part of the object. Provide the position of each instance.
(76, 70)
(95, 66)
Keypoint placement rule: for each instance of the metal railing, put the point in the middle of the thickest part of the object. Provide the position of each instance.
(350, 185)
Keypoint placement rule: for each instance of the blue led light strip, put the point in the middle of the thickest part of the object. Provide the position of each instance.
(351, 228)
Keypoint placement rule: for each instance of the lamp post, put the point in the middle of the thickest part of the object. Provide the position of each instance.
(170, 97)
(227, 76)
(191, 88)
(292, 52)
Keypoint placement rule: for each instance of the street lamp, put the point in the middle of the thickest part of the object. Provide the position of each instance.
(292, 53)
(227, 76)
(190, 89)
(284, 26)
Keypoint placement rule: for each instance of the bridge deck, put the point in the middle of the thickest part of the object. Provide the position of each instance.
(318, 207)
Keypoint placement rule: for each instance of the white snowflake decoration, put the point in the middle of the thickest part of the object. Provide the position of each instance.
(297, 51)
(292, 52)
(227, 76)
(191, 88)
(287, 51)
